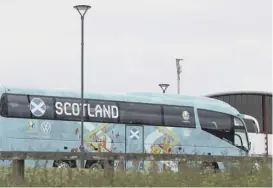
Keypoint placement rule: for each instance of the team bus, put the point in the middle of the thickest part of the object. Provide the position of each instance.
(44, 120)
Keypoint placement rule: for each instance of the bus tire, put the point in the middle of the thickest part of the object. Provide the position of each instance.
(93, 164)
(210, 166)
(64, 164)
(97, 164)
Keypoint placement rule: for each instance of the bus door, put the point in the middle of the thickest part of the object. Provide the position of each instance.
(134, 144)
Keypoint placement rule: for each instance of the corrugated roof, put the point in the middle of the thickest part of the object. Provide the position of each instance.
(239, 93)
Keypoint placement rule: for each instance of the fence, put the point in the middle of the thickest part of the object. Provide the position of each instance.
(18, 158)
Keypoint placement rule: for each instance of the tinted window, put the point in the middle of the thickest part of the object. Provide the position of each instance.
(41, 107)
(214, 120)
(140, 113)
(250, 125)
(178, 116)
(18, 106)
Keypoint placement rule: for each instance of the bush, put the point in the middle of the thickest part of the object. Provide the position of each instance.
(242, 175)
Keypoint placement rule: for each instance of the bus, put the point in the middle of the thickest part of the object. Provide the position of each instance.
(49, 120)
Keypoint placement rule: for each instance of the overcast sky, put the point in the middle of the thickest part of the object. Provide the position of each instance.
(132, 45)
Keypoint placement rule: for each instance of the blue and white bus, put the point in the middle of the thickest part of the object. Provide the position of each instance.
(44, 120)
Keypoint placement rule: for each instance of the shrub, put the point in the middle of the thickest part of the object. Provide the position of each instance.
(241, 175)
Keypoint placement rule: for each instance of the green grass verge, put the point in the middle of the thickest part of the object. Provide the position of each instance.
(242, 175)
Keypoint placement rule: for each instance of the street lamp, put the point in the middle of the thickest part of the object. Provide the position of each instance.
(82, 9)
(164, 87)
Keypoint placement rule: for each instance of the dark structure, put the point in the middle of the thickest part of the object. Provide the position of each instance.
(256, 104)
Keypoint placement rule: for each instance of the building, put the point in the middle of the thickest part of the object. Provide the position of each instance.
(256, 104)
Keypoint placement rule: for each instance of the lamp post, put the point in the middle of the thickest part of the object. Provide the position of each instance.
(164, 87)
(82, 9)
(178, 71)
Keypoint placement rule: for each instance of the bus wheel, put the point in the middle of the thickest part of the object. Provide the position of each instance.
(95, 165)
(210, 167)
(63, 164)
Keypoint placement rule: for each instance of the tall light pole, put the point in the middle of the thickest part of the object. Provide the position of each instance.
(178, 71)
(82, 9)
(164, 87)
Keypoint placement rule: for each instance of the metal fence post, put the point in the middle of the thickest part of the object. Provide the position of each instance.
(109, 170)
(18, 170)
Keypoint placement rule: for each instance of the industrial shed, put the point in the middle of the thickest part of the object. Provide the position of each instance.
(256, 104)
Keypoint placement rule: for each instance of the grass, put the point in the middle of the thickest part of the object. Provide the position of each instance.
(242, 175)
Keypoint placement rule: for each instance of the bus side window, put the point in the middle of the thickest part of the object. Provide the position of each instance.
(138, 113)
(214, 120)
(215, 124)
(18, 106)
(182, 116)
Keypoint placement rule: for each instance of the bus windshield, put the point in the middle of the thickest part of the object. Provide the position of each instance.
(240, 136)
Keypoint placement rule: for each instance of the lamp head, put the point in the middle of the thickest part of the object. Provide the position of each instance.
(164, 87)
(82, 9)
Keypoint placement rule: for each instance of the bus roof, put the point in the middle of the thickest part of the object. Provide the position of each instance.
(140, 97)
